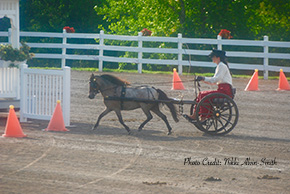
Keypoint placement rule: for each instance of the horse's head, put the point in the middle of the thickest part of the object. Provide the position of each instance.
(94, 86)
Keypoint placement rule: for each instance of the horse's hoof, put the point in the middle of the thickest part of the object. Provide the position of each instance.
(140, 129)
(93, 128)
(129, 132)
(169, 133)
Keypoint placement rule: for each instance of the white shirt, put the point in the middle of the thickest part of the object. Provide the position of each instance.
(222, 75)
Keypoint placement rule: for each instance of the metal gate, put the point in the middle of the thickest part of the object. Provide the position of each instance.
(40, 90)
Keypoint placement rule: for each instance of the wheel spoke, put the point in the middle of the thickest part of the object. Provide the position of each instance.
(211, 103)
(208, 124)
(215, 125)
(227, 108)
(228, 122)
(224, 126)
(208, 108)
(226, 116)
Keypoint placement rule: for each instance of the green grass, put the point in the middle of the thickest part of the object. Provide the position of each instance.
(166, 72)
(156, 72)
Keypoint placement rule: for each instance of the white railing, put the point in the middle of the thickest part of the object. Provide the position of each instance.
(9, 83)
(40, 90)
(178, 51)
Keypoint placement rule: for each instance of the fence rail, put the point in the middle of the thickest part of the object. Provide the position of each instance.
(179, 51)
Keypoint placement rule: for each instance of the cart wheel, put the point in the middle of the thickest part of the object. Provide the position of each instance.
(220, 114)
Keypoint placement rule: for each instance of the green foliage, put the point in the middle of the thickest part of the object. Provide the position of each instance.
(8, 53)
(250, 19)
(53, 15)
(130, 17)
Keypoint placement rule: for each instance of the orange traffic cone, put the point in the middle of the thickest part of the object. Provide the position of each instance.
(13, 128)
(177, 83)
(56, 123)
(253, 83)
(283, 82)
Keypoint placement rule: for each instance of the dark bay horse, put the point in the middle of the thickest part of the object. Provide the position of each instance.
(109, 85)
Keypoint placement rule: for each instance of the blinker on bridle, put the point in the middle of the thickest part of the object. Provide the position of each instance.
(94, 86)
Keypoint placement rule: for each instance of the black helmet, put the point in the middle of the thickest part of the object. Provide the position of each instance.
(217, 53)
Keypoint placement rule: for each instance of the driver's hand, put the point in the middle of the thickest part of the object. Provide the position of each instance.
(200, 78)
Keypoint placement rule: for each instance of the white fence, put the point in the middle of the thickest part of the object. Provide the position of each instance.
(40, 90)
(9, 83)
(264, 55)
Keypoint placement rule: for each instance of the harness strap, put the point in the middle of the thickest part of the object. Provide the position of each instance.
(123, 93)
(149, 91)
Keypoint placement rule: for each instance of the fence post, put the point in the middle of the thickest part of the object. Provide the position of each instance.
(140, 44)
(179, 54)
(219, 45)
(64, 40)
(23, 95)
(16, 74)
(66, 95)
(101, 51)
(10, 36)
(266, 58)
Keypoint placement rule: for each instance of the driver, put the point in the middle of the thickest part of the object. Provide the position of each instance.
(222, 78)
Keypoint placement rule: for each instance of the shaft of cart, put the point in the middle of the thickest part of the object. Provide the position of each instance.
(174, 101)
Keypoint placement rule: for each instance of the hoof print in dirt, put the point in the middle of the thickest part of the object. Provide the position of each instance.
(212, 179)
(269, 177)
(155, 183)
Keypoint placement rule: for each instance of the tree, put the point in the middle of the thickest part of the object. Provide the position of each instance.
(197, 18)
(53, 15)
(130, 17)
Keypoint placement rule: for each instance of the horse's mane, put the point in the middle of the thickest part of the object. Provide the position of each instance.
(115, 80)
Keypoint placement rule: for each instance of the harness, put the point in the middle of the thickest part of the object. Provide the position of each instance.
(150, 92)
(123, 94)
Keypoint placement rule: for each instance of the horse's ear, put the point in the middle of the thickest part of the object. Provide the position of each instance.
(92, 76)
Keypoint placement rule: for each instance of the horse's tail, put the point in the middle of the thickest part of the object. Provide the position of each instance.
(163, 96)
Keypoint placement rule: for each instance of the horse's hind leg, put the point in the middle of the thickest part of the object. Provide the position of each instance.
(118, 113)
(149, 117)
(163, 117)
(100, 117)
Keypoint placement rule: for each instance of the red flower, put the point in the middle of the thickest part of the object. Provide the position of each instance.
(225, 34)
(146, 32)
(69, 29)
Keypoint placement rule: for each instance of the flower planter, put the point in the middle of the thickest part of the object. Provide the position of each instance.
(5, 64)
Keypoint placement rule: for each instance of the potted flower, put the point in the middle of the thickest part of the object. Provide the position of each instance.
(146, 32)
(69, 29)
(224, 33)
(10, 56)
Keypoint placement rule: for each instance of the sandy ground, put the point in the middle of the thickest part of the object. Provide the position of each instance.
(253, 158)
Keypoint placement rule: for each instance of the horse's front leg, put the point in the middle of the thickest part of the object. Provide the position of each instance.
(100, 117)
(149, 117)
(118, 113)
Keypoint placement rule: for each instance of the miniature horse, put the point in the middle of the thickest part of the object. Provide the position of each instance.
(111, 86)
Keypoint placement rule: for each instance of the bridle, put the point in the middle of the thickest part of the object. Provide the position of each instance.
(94, 88)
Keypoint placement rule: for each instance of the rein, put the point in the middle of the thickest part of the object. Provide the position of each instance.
(196, 85)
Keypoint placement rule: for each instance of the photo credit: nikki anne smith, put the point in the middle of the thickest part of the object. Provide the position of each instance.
(230, 161)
